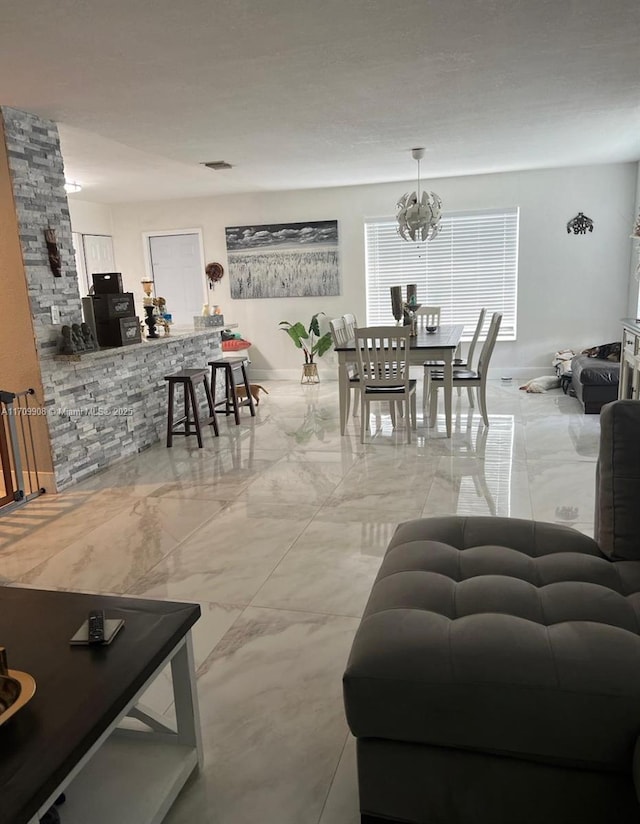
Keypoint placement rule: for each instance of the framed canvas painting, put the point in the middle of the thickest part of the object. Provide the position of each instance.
(283, 260)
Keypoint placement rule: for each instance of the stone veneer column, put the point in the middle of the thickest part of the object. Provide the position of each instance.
(128, 378)
(37, 172)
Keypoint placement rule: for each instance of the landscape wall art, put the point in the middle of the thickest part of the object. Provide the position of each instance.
(284, 260)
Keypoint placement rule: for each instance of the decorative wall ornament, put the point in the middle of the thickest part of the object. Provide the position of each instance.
(55, 261)
(214, 273)
(580, 224)
(284, 260)
(419, 213)
(397, 303)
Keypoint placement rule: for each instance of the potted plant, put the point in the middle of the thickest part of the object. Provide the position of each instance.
(312, 343)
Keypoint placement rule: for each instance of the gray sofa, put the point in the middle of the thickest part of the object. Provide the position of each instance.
(594, 382)
(495, 676)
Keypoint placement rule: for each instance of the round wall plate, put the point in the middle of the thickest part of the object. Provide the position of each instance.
(215, 271)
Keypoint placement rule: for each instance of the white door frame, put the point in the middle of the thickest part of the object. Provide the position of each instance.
(146, 237)
(81, 264)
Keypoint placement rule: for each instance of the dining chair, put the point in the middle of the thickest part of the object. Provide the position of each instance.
(338, 329)
(384, 373)
(428, 316)
(468, 362)
(458, 363)
(342, 332)
(351, 324)
(468, 377)
(341, 337)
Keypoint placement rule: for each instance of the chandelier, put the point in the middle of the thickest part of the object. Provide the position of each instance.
(419, 213)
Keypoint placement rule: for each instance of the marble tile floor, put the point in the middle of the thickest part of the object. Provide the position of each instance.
(277, 529)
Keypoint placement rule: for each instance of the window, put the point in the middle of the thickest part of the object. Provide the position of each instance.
(472, 263)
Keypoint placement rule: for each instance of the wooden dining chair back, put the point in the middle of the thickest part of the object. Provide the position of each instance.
(428, 317)
(338, 329)
(341, 337)
(458, 363)
(468, 377)
(351, 324)
(384, 371)
(488, 346)
(468, 362)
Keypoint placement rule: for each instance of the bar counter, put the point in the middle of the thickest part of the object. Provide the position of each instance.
(112, 403)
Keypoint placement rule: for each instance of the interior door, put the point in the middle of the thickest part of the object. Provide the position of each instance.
(178, 275)
(98, 255)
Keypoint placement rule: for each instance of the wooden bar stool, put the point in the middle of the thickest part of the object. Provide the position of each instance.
(231, 365)
(189, 379)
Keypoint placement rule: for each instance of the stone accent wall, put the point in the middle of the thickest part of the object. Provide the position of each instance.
(83, 439)
(78, 393)
(37, 172)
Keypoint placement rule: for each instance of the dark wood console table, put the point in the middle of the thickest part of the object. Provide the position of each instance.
(70, 737)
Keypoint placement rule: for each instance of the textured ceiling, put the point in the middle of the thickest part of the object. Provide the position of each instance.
(299, 94)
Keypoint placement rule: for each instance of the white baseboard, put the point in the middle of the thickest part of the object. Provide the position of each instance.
(290, 374)
(331, 373)
(520, 372)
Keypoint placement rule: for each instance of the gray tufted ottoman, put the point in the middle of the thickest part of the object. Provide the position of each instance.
(495, 676)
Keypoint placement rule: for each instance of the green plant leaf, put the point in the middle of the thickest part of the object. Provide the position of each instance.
(323, 344)
(296, 332)
(311, 341)
(314, 326)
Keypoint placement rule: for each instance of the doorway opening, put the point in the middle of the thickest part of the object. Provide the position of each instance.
(175, 263)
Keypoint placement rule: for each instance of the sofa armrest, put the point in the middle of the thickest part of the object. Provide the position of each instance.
(618, 481)
(533, 538)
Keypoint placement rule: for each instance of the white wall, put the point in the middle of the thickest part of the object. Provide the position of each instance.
(90, 218)
(572, 289)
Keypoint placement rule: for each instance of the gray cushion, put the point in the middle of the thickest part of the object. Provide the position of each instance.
(504, 636)
(618, 480)
(595, 371)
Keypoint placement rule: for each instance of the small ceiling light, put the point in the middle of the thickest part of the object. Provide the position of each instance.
(419, 213)
(71, 188)
(218, 165)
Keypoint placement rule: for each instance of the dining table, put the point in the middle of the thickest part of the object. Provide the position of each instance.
(440, 345)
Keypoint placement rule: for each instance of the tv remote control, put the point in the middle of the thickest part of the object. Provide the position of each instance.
(96, 626)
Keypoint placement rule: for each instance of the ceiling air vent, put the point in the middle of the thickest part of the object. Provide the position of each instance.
(217, 165)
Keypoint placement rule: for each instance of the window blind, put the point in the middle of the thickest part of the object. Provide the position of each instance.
(473, 262)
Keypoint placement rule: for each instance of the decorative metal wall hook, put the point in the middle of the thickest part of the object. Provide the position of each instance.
(580, 224)
(55, 260)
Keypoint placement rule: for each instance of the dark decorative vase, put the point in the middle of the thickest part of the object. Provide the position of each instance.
(396, 302)
(150, 320)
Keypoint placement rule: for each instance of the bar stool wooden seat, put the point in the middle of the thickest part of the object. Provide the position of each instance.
(230, 402)
(189, 379)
